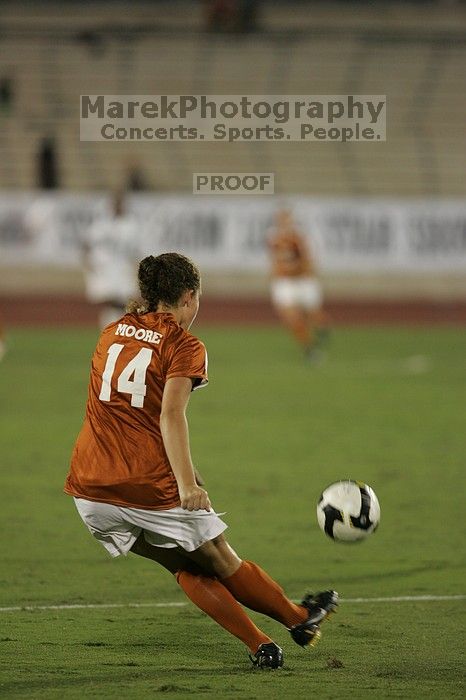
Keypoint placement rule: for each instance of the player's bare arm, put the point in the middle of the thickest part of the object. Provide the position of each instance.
(175, 435)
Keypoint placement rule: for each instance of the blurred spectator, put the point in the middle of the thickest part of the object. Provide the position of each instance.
(220, 15)
(6, 95)
(231, 15)
(295, 289)
(248, 15)
(110, 254)
(136, 179)
(47, 165)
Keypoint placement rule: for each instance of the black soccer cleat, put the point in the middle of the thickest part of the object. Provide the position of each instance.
(267, 656)
(319, 607)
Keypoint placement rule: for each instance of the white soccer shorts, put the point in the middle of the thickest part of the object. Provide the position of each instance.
(297, 291)
(117, 528)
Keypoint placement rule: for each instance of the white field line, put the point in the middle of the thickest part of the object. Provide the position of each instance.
(404, 599)
(91, 606)
(412, 365)
(107, 606)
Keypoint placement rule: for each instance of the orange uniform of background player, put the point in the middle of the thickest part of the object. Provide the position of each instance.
(124, 462)
(290, 255)
(295, 289)
(2, 343)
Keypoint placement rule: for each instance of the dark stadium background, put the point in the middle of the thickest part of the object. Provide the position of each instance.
(414, 52)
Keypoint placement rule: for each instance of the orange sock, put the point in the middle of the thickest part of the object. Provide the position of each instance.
(254, 588)
(214, 599)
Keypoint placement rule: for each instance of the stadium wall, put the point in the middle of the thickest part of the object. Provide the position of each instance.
(385, 259)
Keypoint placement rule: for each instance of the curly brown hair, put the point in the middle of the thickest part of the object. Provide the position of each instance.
(163, 279)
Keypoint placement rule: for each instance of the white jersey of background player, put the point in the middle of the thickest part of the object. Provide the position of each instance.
(111, 250)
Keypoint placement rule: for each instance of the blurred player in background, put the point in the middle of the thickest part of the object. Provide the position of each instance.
(132, 474)
(110, 252)
(2, 343)
(296, 292)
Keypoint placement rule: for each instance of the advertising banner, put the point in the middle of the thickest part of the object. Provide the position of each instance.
(230, 233)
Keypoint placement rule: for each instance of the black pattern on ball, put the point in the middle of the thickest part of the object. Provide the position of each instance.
(362, 521)
(331, 515)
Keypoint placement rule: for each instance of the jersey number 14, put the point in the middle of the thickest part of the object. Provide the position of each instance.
(132, 380)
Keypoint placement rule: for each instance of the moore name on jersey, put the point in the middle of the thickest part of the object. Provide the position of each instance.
(139, 333)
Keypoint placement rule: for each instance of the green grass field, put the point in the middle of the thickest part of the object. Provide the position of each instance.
(268, 434)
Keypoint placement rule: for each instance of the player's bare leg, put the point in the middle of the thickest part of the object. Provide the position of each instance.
(318, 323)
(173, 559)
(297, 322)
(2, 344)
(217, 557)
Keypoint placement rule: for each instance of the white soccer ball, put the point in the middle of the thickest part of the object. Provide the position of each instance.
(348, 511)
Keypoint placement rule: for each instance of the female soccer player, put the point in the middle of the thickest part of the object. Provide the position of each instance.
(2, 343)
(295, 289)
(110, 255)
(132, 476)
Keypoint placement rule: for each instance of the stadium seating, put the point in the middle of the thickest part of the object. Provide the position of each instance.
(420, 69)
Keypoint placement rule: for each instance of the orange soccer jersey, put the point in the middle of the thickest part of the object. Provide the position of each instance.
(290, 256)
(119, 456)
